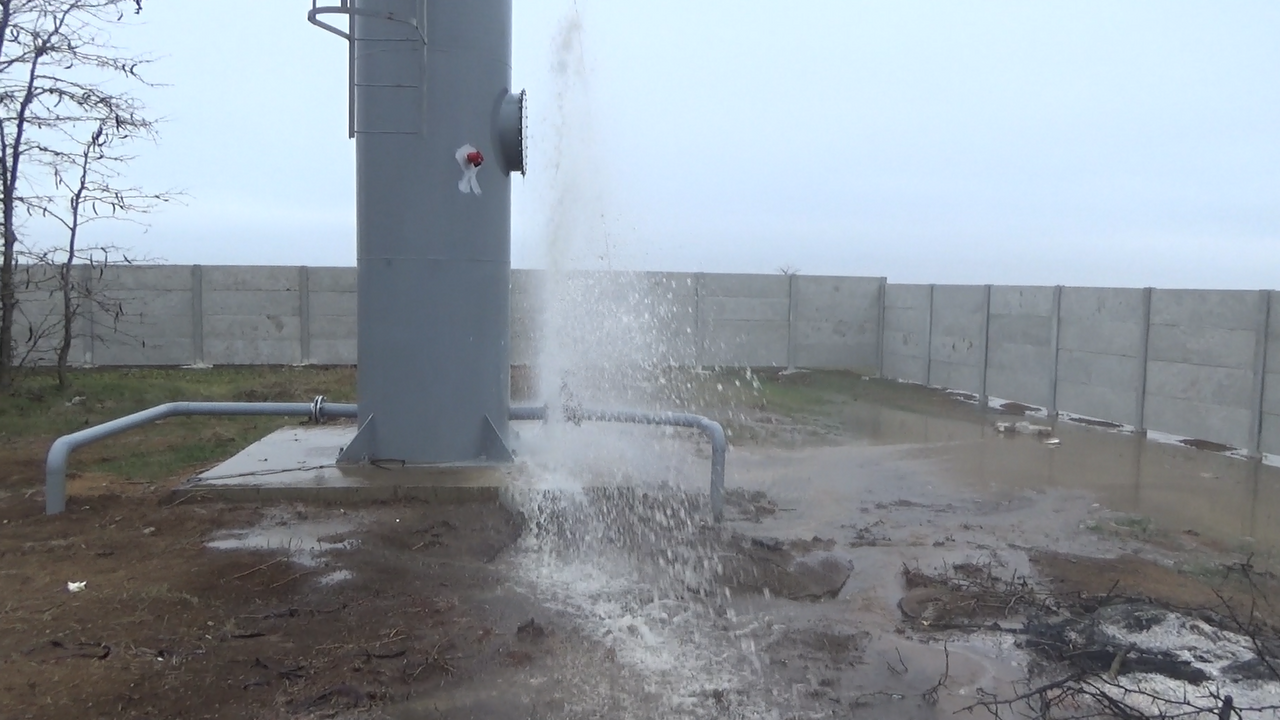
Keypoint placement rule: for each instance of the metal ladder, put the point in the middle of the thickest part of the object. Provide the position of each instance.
(348, 8)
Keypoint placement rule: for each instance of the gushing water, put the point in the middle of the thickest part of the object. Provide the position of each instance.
(613, 537)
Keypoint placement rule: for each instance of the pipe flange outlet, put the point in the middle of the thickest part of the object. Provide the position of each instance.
(317, 410)
(510, 126)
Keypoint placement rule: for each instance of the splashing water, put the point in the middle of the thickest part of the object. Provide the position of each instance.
(613, 539)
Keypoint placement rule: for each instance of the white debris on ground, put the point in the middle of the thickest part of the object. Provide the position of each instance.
(1205, 647)
(1024, 428)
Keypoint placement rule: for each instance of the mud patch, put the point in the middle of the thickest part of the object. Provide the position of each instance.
(966, 596)
(868, 535)
(748, 505)
(817, 660)
(1017, 408)
(1093, 422)
(804, 570)
(1208, 446)
(1092, 580)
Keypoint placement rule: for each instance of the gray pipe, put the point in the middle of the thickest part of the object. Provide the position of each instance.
(55, 476)
(55, 469)
(708, 427)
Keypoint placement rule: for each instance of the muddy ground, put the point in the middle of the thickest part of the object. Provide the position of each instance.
(167, 627)
(813, 602)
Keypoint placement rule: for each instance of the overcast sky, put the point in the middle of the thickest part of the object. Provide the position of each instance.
(1084, 143)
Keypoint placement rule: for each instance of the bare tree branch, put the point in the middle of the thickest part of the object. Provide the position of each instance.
(65, 126)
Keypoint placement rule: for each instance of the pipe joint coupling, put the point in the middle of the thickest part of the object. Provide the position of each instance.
(317, 410)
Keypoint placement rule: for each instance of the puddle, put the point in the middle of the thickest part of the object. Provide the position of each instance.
(305, 542)
(335, 577)
(696, 624)
(1224, 502)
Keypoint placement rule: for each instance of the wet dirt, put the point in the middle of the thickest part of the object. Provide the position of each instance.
(817, 598)
(329, 611)
(892, 489)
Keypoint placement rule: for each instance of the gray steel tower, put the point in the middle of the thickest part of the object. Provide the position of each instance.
(438, 133)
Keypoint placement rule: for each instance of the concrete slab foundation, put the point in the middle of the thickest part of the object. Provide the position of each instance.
(299, 464)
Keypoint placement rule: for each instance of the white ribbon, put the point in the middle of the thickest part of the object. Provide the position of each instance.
(468, 183)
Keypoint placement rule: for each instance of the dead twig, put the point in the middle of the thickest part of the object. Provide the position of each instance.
(295, 576)
(392, 637)
(356, 696)
(254, 570)
(184, 498)
(931, 695)
(1114, 671)
(437, 661)
(901, 662)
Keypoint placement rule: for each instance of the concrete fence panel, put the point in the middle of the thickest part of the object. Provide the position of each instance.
(906, 332)
(331, 316)
(37, 323)
(958, 344)
(837, 323)
(670, 305)
(1020, 354)
(1102, 341)
(157, 322)
(252, 315)
(1196, 363)
(1200, 364)
(744, 320)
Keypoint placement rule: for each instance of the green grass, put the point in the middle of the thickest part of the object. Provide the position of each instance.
(1205, 570)
(36, 405)
(1140, 523)
(36, 410)
(1125, 525)
(824, 392)
(795, 393)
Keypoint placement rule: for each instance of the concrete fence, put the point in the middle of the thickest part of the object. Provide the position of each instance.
(1203, 364)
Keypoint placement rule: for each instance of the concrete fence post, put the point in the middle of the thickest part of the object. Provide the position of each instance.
(791, 320)
(928, 341)
(304, 315)
(882, 299)
(699, 333)
(986, 344)
(1259, 372)
(197, 315)
(86, 314)
(1055, 322)
(1141, 410)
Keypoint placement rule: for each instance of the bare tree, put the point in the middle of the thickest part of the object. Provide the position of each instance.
(95, 193)
(57, 301)
(57, 67)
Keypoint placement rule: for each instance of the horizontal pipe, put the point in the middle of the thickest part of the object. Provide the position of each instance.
(708, 427)
(55, 469)
(60, 452)
(536, 412)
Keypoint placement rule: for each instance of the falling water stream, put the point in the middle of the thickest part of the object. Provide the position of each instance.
(611, 542)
